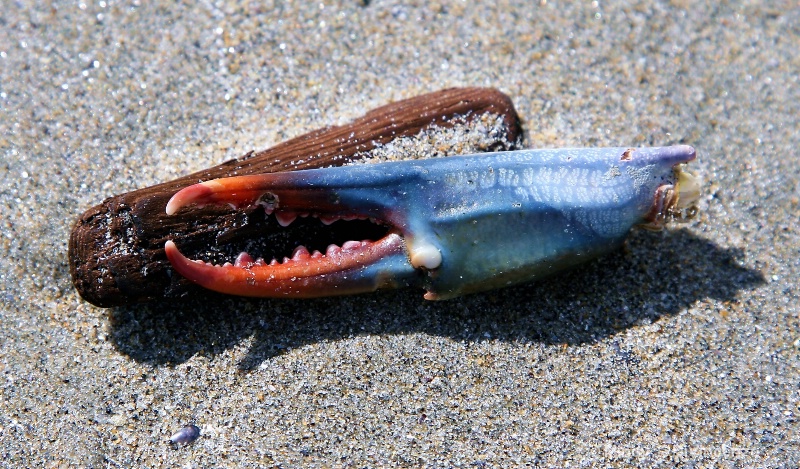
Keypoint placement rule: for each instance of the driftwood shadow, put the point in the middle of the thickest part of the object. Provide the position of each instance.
(655, 275)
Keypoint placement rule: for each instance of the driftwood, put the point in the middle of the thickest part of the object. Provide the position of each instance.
(116, 249)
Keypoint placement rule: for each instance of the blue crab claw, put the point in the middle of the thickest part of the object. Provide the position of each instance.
(455, 225)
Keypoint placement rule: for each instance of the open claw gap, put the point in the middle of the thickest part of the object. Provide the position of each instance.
(261, 236)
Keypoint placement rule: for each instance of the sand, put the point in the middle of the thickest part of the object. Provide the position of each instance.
(680, 350)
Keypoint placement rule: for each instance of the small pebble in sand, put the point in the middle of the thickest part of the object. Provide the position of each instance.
(185, 435)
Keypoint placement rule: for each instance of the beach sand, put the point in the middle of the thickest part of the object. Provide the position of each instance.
(680, 350)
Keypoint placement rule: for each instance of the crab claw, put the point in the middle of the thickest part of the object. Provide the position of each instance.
(456, 225)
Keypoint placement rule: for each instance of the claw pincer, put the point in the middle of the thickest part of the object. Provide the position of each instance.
(454, 225)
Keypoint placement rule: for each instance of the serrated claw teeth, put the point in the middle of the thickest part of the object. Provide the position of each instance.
(285, 218)
(351, 245)
(300, 253)
(243, 259)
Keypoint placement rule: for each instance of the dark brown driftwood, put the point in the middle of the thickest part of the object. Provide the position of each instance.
(116, 252)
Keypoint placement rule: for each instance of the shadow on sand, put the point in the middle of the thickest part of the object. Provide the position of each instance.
(655, 275)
